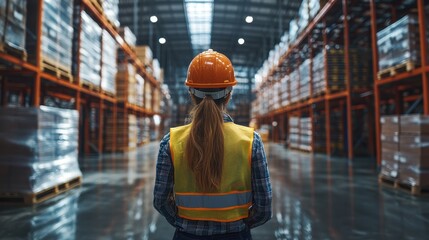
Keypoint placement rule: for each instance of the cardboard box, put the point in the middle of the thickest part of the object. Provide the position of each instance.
(414, 176)
(390, 124)
(414, 123)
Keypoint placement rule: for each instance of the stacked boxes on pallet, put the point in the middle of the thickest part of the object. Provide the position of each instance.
(319, 83)
(111, 10)
(304, 76)
(305, 134)
(414, 150)
(360, 70)
(109, 65)
(90, 52)
(128, 36)
(126, 90)
(148, 96)
(139, 85)
(144, 53)
(399, 43)
(389, 146)
(13, 15)
(156, 100)
(294, 86)
(126, 133)
(294, 132)
(284, 91)
(39, 149)
(57, 34)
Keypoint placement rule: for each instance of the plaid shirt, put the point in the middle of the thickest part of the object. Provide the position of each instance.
(260, 212)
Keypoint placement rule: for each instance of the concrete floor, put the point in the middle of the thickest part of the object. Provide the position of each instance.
(315, 197)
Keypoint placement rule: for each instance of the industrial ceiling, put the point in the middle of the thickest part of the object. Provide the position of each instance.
(222, 21)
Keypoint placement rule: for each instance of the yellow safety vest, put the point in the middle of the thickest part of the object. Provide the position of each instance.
(232, 201)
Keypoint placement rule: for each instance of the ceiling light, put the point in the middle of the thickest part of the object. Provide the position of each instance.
(162, 40)
(240, 41)
(154, 19)
(249, 19)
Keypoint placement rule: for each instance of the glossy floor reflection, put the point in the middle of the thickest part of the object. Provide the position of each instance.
(315, 197)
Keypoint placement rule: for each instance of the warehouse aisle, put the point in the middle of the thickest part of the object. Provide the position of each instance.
(314, 198)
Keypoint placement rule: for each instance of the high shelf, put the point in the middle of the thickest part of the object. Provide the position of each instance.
(35, 80)
(401, 89)
(348, 92)
(325, 83)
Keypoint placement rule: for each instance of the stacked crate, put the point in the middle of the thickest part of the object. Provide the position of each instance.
(90, 52)
(414, 151)
(305, 134)
(109, 65)
(390, 129)
(399, 45)
(13, 14)
(39, 152)
(304, 77)
(126, 137)
(294, 132)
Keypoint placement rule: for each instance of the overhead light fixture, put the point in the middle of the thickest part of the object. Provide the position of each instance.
(199, 16)
(162, 40)
(154, 19)
(249, 19)
(241, 41)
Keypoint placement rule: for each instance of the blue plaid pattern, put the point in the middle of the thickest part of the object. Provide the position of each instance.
(260, 212)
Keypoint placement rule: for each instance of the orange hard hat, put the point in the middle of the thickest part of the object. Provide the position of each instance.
(210, 69)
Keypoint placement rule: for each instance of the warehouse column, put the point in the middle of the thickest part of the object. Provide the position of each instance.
(423, 51)
(37, 80)
(375, 71)
(348, 79)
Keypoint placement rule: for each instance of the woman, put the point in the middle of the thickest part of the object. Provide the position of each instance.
(212, 179)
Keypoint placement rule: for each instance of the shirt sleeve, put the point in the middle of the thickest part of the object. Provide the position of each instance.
(261, 210)
(163, 199)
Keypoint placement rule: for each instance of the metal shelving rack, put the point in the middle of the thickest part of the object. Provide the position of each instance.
(335, 14)
(389, 90)
(41, 83)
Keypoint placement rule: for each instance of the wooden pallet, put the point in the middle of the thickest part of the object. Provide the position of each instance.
(382, 179)
(89, 86)
(413, 189)
(50, 66)
(34, 198)
(16, 52)
(108, 93)
(400, 68)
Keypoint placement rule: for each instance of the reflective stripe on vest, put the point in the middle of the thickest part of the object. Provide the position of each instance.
(214, 201)
(232, 201)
